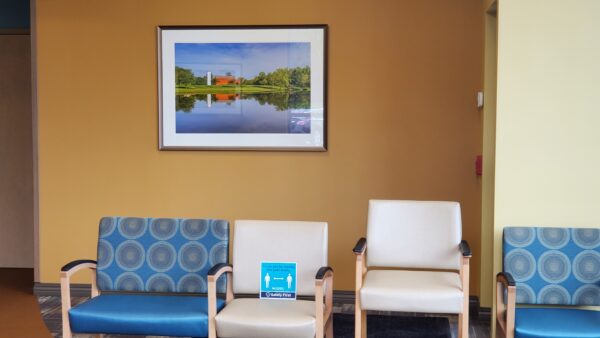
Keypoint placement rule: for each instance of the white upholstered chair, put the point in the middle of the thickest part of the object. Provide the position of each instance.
(421, 242)
(277, 241)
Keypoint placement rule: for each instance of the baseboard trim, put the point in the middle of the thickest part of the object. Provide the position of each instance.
(53, 289)
(339, 297)
(485, 314)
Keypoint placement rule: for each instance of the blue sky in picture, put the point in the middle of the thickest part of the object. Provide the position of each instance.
(247, 58)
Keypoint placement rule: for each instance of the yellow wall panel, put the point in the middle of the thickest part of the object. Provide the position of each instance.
(547, 140)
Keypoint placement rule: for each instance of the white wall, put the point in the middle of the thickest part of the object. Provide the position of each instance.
(16, 176)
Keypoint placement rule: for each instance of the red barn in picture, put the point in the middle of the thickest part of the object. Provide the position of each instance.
(221, 80)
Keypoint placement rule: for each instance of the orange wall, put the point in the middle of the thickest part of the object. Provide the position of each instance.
(412, 134)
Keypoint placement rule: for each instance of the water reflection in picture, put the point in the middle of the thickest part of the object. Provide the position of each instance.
(243, 113)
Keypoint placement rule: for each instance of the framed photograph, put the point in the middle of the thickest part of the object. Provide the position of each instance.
(243, 88)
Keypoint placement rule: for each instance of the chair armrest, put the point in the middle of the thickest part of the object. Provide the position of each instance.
(505, 313)
(506, 279)
(213, 275)
(323, 289)
(324, 272)
(465, 249)
(72, 267)
(78, 264)
(361, 267)
(360, 246)
(218, 269)
(65, 286)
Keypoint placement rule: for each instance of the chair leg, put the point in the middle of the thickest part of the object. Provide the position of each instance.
(319, 333)
(329, 332)
(360, 323)
(463, 318)
(463, 325)
(67, 333)
(66, 326)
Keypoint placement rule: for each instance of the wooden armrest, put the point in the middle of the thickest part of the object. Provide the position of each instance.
(360, 246)
(74, 264)
(72, 267)
(505, 313)
(361, 264)
(216, 271)
(324, 272)
(323, 316)
(465, 249)
(360, 272)
(506, 279)
(65, 286)
(213, 275)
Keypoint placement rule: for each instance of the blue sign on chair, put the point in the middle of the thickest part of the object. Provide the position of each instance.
(278, 280)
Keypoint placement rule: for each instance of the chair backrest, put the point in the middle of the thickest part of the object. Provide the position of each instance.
(553, 266)
(160, 254)
(414, 234)
(278, 241)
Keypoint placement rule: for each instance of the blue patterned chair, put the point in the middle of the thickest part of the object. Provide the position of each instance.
(149, 277)
(558, 268)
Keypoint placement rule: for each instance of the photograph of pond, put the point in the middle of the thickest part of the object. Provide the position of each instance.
(242, 87)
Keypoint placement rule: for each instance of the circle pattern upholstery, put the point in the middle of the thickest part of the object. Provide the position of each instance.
(525, 295)
(553, 238)
(163, 228)
(554, 295)
(129, 281)
(588, 294)
(160, 255)
(521, 263)
(103, 280)
(220, 229)
(192, 283)
(586, 266)
(107, 226)
(192, 257)
(519, 237)
(554, 266)
(587, 238)
(194, 229)
(132, 227)
(105, 254)
(130, 255)
(160, 282)
(218, 253)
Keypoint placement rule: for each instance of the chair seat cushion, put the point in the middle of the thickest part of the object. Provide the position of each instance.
(160, 315)
(556, 323)
(412, 291)
(251, 317)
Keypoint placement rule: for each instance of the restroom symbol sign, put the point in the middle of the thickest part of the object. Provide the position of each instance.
(278, 280)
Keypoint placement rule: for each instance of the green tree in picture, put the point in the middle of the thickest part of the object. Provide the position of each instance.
(184, 76)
